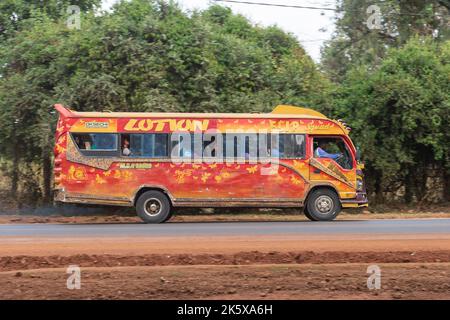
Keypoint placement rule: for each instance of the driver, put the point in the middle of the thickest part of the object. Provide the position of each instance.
(321, 153)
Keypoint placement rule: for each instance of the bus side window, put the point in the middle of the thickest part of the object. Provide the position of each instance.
(136, 146)
(96, 144)
(84, 141)
(290, 146)
(243, 146)
(155, 145)
(149, 145)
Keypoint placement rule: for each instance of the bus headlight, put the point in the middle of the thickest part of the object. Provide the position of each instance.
(359, 185)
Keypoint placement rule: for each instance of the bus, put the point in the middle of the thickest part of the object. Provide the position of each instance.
(292, 157)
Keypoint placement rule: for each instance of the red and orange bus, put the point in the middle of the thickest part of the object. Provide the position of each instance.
(291, 157)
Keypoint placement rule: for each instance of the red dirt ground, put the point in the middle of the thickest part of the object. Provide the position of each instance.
(196, 268)
(280, 281)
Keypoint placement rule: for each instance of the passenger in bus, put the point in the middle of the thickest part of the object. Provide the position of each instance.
(83, 142)
(126, 147)
(321, 153)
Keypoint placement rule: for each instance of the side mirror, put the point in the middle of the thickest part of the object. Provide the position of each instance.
(358, 154)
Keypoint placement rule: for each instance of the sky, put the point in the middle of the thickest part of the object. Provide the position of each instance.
(311, 27)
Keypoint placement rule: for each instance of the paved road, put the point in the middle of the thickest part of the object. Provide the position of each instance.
(370, 227)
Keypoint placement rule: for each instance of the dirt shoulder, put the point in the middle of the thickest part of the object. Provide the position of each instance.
(270, 281)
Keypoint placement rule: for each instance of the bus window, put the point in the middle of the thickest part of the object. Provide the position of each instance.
(83, 141)
(151, 145)
(96, 144)
(136, 147)
(241, 146)
(155, 145)
(290, 146)
(333, 148)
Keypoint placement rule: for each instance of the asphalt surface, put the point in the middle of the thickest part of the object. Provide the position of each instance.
(369, 227)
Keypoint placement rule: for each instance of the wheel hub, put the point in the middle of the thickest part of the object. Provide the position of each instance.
(152, 207)
(324, 204)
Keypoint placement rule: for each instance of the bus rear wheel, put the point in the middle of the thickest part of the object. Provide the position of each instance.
(153, 207)
(322, 205)
(306, 213)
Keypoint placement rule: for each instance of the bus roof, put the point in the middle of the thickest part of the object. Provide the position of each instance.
(281, 111)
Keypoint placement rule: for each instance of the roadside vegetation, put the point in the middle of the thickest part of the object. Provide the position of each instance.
(391, 85)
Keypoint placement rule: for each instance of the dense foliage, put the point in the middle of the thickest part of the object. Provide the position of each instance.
(358, 41)
(400, 113)
(143, 56)
(392, 86)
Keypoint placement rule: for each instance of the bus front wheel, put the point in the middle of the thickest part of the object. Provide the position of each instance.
(322, 205)
(153, 207)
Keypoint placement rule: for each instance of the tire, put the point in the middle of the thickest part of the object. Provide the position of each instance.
(168, 217)
(307, 214)
(153, 207)
(322, 205)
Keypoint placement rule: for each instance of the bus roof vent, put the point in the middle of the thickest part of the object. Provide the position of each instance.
(284, 109)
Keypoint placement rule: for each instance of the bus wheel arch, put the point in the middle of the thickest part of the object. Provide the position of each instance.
(322, 203)
(153, 205)
(146, 188)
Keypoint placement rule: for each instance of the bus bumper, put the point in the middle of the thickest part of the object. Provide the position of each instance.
(359, 202)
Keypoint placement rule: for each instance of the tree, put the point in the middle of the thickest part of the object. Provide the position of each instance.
(354, 43)
(143, 56)
(14, 12)
(400, 113)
